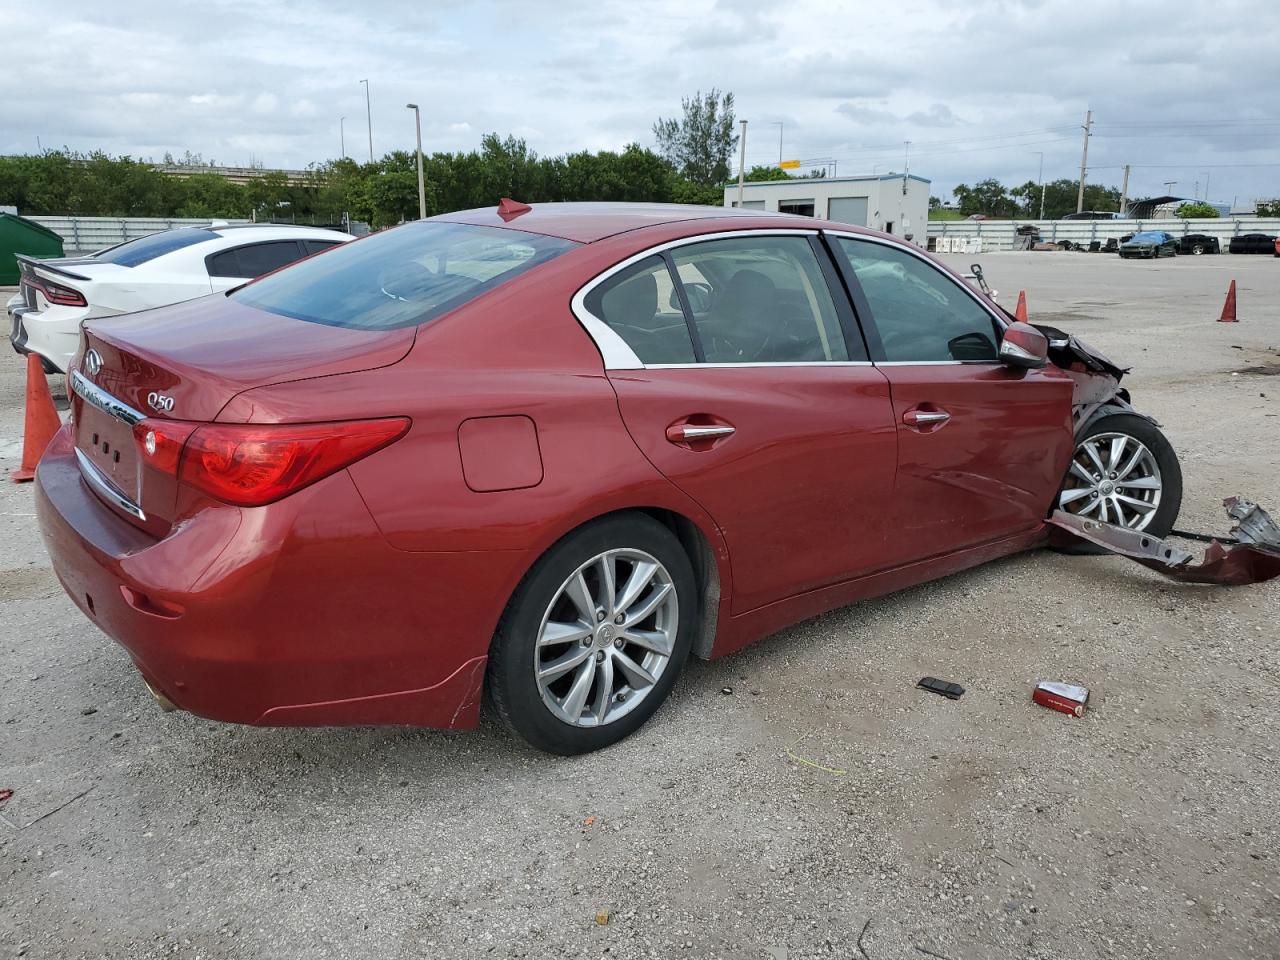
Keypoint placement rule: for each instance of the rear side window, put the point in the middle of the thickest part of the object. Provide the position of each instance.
(315, 246)
(131, 253)
(401, 277)
(641, 305)
(760, 300)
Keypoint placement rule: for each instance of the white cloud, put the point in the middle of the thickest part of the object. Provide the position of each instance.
(977, 88)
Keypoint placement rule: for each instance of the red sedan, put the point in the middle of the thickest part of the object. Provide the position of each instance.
(548, 453)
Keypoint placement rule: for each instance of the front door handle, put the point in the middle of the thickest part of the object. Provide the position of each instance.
(686, 432)
(923, 419)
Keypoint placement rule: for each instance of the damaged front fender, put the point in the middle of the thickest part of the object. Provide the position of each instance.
(1095, 379)
(1252, 557)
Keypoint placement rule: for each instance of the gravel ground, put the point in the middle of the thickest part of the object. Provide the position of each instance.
(822, 808)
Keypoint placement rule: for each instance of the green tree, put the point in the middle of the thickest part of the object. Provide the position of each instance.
(1268, 208)
(700, 144)
(1197, 210)
(1060, 198)
(766, 174)
(987, 197)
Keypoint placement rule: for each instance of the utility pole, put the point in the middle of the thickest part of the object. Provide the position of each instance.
(368, 112)
(1206, 185)
(742, 162)
(342, 135)
(422, 190)
(1124, 191)
(1084, 160)
(778, 124)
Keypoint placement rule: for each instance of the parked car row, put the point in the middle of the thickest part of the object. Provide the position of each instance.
(1152, 244)
(548, 453)
(55, 296)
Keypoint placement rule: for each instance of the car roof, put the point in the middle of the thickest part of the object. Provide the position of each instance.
(276, 231)
(588, 222)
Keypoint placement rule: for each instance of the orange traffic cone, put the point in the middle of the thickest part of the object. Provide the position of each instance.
(42, 421)
(1020, 313)
(1229, 308)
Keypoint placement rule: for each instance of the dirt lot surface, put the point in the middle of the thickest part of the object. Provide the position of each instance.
(800, 799)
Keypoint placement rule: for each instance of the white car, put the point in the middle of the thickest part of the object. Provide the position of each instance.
(56, 295)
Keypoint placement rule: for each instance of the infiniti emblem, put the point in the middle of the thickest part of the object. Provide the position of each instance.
(92, 362)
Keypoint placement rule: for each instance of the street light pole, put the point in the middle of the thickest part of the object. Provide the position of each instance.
(778, 124)
(422, 190)
(342, 135)
(742, 162)
(368, 112)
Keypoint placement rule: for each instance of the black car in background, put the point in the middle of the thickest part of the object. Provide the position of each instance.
(1196, 244)
(1263, 243)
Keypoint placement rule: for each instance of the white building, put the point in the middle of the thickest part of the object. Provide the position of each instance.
(889, 202)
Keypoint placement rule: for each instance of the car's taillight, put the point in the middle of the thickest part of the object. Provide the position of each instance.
(252, 464)
(63, 296)
(160, 442)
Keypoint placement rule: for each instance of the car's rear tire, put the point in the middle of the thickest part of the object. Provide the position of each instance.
(1134, 462)
(568, 686)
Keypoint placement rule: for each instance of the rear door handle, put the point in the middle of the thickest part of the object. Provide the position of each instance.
(683, 433)
(925, 418)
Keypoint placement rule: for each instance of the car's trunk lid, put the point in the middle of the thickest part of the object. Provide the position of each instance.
(185, 362)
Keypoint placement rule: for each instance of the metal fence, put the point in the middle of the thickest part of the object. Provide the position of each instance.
(87, 234)
(975, 236)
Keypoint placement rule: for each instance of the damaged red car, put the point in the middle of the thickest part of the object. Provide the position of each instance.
(549, 453)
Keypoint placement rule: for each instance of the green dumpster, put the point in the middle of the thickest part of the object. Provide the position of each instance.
(20, 235)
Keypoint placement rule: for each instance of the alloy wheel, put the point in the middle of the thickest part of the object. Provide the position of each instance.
(606, 637)
(1113, 478)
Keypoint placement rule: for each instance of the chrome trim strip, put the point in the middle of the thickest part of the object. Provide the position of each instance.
(615, 351)
(938, 363)
(780, 363)
(99, 481)
(103, 400)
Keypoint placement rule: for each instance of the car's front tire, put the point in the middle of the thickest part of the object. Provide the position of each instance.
(595, 636)
(1124, 471)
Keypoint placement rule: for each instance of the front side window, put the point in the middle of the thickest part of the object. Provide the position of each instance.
(922, 315)
(401, 277)
(760, 299)
(257, 259)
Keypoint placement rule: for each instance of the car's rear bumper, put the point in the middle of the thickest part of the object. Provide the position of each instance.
(298, 613)
(53, 333)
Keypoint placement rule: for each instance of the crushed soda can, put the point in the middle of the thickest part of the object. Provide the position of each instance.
(1064, 697)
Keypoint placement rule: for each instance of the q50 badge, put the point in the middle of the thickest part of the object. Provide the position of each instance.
(158, 401)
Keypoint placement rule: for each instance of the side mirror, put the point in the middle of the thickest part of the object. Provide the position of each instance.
(1024, 347)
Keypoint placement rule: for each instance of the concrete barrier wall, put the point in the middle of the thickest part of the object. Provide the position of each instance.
(87, 234)
(999, 234)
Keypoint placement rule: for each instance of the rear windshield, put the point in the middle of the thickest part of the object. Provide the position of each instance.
(401, 277)
(133, 252)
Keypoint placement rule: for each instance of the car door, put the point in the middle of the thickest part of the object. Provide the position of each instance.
(982, 447)
(741, 375)
(233, 266)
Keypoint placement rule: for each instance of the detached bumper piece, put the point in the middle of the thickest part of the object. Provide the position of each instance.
(1253, 554)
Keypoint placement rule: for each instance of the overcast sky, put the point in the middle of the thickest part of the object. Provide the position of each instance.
(1185, 95)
